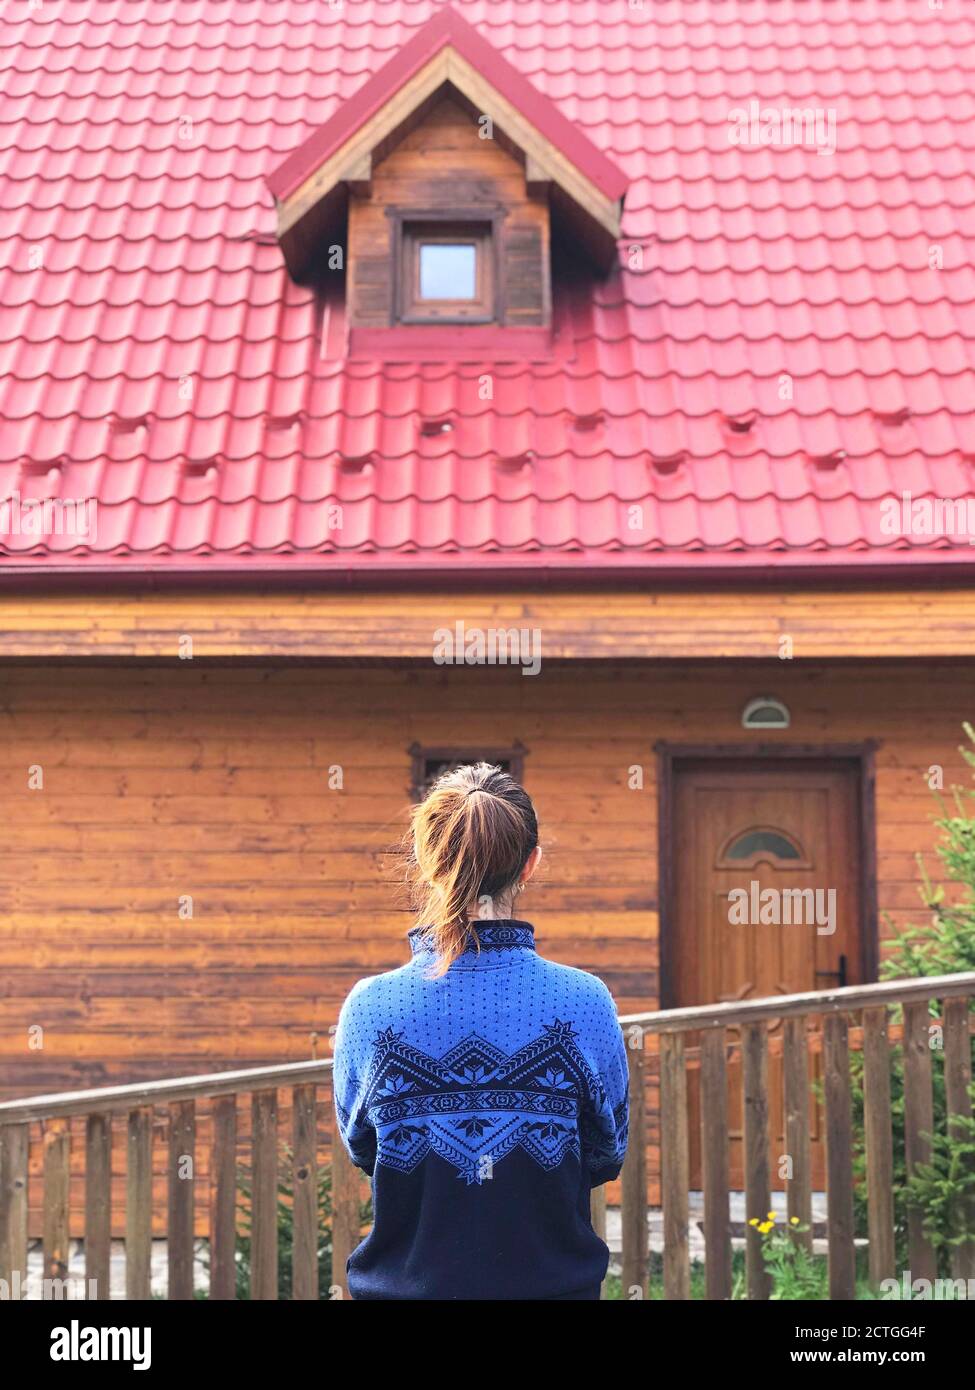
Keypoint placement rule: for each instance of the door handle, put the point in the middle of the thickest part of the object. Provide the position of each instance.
(838, 975)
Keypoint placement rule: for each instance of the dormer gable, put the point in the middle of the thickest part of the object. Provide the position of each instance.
(448, 165)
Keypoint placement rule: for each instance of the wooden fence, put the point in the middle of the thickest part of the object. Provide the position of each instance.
(658, 1043)
(821, 1020)
(45, 1120)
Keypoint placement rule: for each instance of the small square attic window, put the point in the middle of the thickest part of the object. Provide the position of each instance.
(447, 272)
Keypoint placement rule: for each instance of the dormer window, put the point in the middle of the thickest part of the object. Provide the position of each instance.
(443, 178)
(447, 269)
(447, 272)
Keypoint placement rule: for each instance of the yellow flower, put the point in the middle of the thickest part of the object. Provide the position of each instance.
(754, 1221)
(765, 1227)
(771, 1216)
(793, 1221)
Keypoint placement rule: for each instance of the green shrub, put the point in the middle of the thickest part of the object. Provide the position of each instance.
(945, 946)
(944, 1189)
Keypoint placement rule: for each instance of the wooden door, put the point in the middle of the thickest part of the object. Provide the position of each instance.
(766, 885)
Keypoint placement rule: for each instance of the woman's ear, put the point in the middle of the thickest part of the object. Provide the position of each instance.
(531, 864)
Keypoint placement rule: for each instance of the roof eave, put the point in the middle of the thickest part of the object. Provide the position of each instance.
(692, 569)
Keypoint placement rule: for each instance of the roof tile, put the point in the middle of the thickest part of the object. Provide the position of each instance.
(154, 346)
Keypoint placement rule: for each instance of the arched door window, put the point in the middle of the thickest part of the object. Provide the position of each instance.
(761, 842)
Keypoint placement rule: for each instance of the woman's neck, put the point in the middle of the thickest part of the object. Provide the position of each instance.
(491, 911)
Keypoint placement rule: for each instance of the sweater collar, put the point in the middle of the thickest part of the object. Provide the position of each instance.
(497, 940)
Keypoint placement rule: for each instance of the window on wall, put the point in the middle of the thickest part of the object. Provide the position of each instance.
(446, 272)
(431, 763)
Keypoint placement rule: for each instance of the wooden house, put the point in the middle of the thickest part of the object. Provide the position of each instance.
(450, 386)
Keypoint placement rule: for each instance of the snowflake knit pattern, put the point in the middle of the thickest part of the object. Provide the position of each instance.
(485, 1105)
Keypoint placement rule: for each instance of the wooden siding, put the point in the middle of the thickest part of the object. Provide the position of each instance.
(886, 621)
(214, 782)
(440, 165)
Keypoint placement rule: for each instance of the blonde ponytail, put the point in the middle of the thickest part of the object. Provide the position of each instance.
(469, 841)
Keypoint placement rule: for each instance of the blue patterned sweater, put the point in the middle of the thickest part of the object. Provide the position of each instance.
(485, 1105)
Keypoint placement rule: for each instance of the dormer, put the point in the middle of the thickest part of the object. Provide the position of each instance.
(444, 178)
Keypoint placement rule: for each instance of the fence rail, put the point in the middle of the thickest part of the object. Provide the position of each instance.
(658, 1049)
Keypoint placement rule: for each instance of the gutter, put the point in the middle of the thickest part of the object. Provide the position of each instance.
(691, 570)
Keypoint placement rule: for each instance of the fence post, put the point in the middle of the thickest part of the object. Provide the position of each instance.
(714, 1163)
(958, 1078)
(879, 1143)
(179, 1228)
(918, 1121)
(98, 1205)
(57, 1151)
(14, 1152)
(346, 1226)
(304, 1270)
(675, 1165)
(223, 1199)
(636, 1237)
(796, 1098)
(138, 1204)
(839, 1158)
(264, 1195)
(754, 1051)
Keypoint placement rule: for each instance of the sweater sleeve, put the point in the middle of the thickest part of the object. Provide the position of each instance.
(349, 1074)
(605, 1125)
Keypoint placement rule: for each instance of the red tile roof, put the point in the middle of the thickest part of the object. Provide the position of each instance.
(156, 355)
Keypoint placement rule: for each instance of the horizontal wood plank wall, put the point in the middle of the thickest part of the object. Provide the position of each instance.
(445, 164)
(886, 622)
(183, 782)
